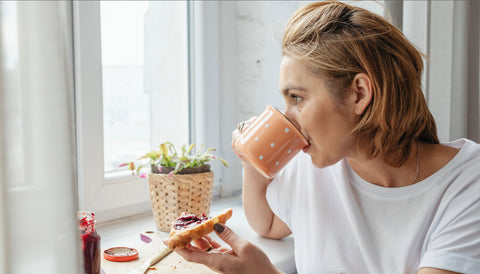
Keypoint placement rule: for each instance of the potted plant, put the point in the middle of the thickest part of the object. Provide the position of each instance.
(178, 182)
(166, 160)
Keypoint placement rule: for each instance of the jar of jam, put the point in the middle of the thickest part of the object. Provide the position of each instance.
(90, 242)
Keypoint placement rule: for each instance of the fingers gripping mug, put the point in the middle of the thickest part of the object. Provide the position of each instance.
(270, 142)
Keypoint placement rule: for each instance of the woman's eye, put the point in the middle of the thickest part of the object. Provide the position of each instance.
(296, 98)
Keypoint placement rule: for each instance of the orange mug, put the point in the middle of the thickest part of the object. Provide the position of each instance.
(270, 142)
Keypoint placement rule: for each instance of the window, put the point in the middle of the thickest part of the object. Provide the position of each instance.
(131, 78)
(144, 62)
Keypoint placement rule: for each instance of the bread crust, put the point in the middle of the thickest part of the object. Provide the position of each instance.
(180, 238)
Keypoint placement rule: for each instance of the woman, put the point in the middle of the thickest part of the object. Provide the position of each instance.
(374, 192)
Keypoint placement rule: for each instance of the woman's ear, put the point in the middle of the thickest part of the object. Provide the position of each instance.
(362, 92)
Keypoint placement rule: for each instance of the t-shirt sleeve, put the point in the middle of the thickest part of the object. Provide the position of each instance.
(281, 193)
(455, 244)
(274, 198)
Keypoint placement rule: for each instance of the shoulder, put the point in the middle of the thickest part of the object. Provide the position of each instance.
(437, 157)
(461, 174)
(453, 237)
(466, 160)
(457, 156)
(468, 147)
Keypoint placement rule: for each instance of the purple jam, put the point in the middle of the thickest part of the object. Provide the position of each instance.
(187, 220)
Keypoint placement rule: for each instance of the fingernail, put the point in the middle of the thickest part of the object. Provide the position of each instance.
(218, 227)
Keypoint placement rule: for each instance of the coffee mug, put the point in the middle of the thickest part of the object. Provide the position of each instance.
(270, 142)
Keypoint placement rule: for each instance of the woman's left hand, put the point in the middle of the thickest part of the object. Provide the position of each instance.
(242, 257)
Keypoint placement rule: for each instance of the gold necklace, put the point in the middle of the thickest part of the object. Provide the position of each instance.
(418, 164)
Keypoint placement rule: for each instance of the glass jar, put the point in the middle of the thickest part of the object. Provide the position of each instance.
(90, 242)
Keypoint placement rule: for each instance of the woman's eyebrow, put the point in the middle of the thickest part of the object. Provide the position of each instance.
(289, 87)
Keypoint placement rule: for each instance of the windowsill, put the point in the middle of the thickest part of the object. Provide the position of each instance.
(126, 232)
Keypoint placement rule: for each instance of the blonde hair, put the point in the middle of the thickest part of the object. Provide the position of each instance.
(338, 41)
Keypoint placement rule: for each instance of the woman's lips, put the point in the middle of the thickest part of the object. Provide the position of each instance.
(305, 149)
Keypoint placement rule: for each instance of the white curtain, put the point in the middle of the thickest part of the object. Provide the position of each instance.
(448, 32)
(37, 166)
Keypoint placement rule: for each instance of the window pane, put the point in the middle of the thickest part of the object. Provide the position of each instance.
(145, 77)
(126, 111)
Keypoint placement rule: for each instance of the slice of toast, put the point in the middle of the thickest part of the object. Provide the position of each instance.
(182, 236)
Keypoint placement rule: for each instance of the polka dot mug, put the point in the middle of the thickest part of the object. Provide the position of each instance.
(270, 142)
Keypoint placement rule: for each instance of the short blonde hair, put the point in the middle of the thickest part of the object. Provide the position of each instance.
(338, 41)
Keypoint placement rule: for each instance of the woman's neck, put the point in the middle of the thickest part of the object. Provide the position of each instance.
(378, 172)
(431, 158)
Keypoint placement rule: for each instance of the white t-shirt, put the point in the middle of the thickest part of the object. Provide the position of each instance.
(343, 224)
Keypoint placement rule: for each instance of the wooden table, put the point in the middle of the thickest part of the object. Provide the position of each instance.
(172, 263)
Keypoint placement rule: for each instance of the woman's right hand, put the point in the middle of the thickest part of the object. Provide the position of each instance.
(236, 135)
(250, 172)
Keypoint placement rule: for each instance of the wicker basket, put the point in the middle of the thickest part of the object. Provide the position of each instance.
(171, 196)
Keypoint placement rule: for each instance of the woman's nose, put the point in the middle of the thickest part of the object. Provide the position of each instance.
(291, 116)
(286, 112)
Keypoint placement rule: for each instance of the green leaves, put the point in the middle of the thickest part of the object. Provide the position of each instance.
(167, 156)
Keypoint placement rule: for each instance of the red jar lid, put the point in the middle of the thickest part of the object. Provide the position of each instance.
(120, 254)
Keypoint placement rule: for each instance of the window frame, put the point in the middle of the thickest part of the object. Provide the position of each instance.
(95, 192)
(123, 195)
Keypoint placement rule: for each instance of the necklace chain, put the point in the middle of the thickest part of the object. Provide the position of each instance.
(418, 164)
